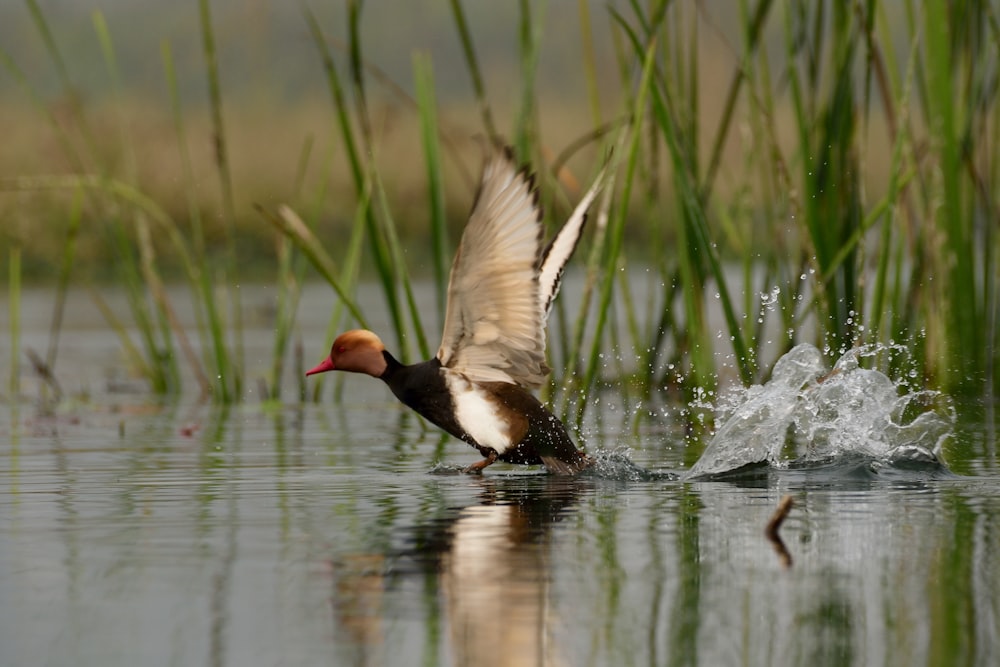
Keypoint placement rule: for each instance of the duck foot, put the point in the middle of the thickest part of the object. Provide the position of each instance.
(477, 467)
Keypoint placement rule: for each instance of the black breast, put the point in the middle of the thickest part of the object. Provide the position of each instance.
(422, 387)
(542, 438)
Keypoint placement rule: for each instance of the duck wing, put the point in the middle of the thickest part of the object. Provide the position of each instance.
(558, 252)
(494, 327)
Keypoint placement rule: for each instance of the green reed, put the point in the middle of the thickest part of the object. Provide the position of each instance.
(824, 188)
(291, 274)
(423, 77)
(525, 137)
(131, 218)
(216, 358)
(63, 280)
(357, 143)
(475, 72)
(697, 253)
(616, 231)
(82, 153)
(14, 320)
(955, 89)
(231, 385)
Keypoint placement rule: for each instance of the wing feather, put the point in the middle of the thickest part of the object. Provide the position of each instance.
(502, 283)
(563, 245)
(494, 326)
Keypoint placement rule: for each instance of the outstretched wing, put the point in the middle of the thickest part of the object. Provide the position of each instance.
(494, 327)
(562, 246)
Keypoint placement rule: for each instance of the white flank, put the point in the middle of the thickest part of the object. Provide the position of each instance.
(477, 415)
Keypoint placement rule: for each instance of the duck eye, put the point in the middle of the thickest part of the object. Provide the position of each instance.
(341, 348)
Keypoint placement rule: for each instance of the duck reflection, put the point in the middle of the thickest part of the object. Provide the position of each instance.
(496, 574)
(491, 566)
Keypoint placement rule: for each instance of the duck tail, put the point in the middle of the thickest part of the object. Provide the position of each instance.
(576, 464)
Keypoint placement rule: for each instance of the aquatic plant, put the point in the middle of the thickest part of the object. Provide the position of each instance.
(14, 318)
(838, 186)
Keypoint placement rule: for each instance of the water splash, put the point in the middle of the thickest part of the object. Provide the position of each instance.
(806, 413)
(609, 464)
(617, 465)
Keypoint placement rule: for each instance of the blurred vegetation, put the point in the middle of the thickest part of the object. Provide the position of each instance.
(275, 101)
(826, 169)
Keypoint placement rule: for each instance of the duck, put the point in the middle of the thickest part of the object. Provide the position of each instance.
(479, 386)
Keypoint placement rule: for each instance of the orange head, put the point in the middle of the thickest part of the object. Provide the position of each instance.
(357, 351)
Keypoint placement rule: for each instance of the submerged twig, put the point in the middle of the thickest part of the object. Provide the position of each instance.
(44, 371)
(774, 525)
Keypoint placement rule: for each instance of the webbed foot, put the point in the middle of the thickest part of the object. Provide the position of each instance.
(477, 467)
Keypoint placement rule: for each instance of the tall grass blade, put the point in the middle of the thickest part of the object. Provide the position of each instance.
(290, 276)
(216, 355)
(146, 211)
(383, 239)
(43, 110)
(336, 90)
(231, 387)
(377, 243)
(881, 295)
(753, 35)
(591, 281)
(616, 226)
(423, 78)
(136, 358)
(401, 274)
(964, 324)
(52, 48)
(158, 353)
(349, 272)
(14, 319)
(793, 206)
(111, 62)
(697, 247)
(169, 323)
(348, 276)
(62, 282)
(831, 206)
(472, 64)
(292, 226)
(529, 40)
(590, 62)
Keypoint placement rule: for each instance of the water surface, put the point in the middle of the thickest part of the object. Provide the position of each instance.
(136, 533)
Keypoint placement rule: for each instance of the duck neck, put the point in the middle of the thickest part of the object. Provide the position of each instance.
(392, 366)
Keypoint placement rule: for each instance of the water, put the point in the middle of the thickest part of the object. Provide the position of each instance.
(135, 533)
(806, 413)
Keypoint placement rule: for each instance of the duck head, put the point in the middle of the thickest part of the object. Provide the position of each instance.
(356, 351)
